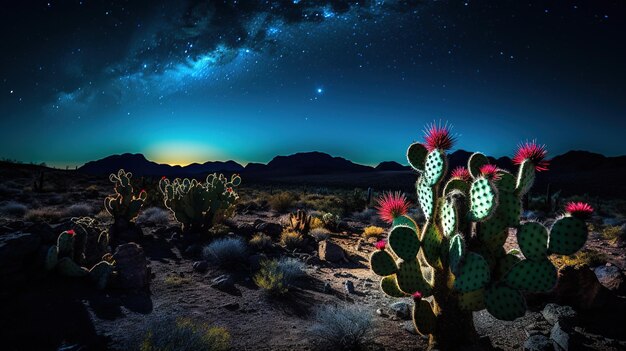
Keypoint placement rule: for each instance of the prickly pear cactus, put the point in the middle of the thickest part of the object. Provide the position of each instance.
(468, 219)
(124, 204)
(198, 206)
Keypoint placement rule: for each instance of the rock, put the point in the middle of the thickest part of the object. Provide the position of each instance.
(223, 282)
(538, 342)
(329, 251)
(233, 306)
(579, 287)
(349, 286)
(560, 337)
(17, 249)
(244, 229)
(554, 313)
(200, 266)
(408, 326)
(327, 288)
(269, 228)
(401, 309)
(612, 278)
(131, 266)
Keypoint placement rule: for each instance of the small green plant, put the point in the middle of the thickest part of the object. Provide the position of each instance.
(176, 280)
(331, 221)
(270, 278)
(183, 334)
(291, 240)
(282, 202)
(613, 233)
(260, 241)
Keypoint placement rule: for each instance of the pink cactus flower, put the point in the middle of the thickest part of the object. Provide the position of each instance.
(534, 152)
(490, 172)
(417, 296)
(438, 137)
(381, 244)
(461, 173)
(392, 205)
(580, 210)
(71, 232)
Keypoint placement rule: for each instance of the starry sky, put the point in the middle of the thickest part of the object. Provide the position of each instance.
(197, 80)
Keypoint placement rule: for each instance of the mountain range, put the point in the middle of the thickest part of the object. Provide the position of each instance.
(575, 172)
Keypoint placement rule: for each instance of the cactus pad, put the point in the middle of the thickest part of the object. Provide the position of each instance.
(567, 236)
(474, 163)
(505, 303)
(525, 177)
(69, 268)
(410, 278)
(506, 181)
(434, 167)
(493, 232)
(424, 318)
(389, 286)
(482, 199)
(472, 300)
(509, 208)
(382, 263)
(456, 185)
(416, 155)
(448, 218)
(52, 257)
(532, 239)
(457, 250)
(405, 220)
(474, 273)
(431, 244)
(404, 242)
(100, 274)
(533, 276)
(426, 197)
(505, 264)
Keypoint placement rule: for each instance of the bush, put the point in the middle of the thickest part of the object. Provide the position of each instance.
(373, 231)
(331, 221)
(260, 241)
(590, 258)
(45, 214)
(292, 269)
(368, 215)
(154, 216)
(226, 252)
(342, 327)
(13, 208)
(613, 233)
(316, 222)
(282, 202)
(270, 278)
(320, 234)
(79, 210)
(185, 335)
(291, 240)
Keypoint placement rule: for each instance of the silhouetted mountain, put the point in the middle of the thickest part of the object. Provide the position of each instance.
(391, 166)
(140, 166)
(305, 163)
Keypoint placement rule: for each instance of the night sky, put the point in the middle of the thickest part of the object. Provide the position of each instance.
(192, 81)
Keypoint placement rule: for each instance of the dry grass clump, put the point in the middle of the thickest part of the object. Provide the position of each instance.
(589, 258)
(176, 280)
(614, 233)
(342, 327)
(226, 252)
(260, 241)
(276, 276)
(373, 232)
(320, 234)
(291, 240)
(183, 334)
(44, 214)
(282, 202)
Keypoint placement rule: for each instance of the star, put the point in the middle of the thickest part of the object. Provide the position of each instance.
(319, 90)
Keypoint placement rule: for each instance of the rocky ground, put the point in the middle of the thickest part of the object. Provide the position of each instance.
(41, 311)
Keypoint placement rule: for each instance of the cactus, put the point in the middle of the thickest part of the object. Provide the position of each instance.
(124, 205)
(299, 222)
(467, 223)
(81, 247)
(198, 206)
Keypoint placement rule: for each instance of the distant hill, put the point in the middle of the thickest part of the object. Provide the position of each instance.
(392, 166)
(305, 163)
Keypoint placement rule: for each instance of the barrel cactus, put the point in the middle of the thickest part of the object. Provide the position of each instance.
(456, 258)
(198, 206)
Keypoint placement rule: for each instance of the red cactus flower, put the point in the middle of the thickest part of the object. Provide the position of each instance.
(490, 172)
(71, 232)
(392, 205)
(417, 296)
(580, 210)
(438, 137)
(230, 190)
(530, 150)
(461, 173)
(381, 244)
(163, 177)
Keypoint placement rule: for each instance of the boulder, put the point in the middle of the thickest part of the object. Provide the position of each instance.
(579, 287)
(554, 314)
(269, 228)
(402, 309)
(223, 282)
(612, 278)
(561, 336)
(329, 251)
(131, 266)
(538, 342)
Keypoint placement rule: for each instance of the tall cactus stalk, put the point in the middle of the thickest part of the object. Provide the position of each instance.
(455, 262)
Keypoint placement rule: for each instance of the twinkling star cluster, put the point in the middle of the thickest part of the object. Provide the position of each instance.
(197, 80)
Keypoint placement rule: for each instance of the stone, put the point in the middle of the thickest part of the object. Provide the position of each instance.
(349, 286)
(331, 252)
(560, 337)
(408, 326)
(131, 266)
(223, 282)
(554, 313)
(538, 342)
(233, 306)
(200, 266)
(579, 287)
(269, 228)
(244, 229)
(401, 309)
(612, 278)
(327, 288)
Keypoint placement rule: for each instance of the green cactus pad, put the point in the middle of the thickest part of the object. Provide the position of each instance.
(65, 244)
(426, 197)
(472, 300)
(532, 239)
(431, 244)
(69, 268)
(525, 177)
(434, 167)
(405, 220)
(567, 236)
(410, 278)
(474, 163)
(483, 199)
(382, 263)
(473, 274)
(493, 232)
(416, 155)
(505, 303)
(404, 242)
(505, 264)
(424, 319)
(100, 273)
(532, 276)
(389, 285)
(454, 185)
(509, 208)
(448, 217)
(506, 181)
(52, 257)
(457, 250)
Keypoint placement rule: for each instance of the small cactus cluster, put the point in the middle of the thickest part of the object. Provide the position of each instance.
(299, 222)
(124, 204)
(82, 251)
(198, 206)
(457, 256)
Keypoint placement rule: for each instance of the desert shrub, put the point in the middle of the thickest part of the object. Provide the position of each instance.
(92, 191)
(331, 221)
(613, 233)
(292, 269)
(354, 201)
(260, 241)
(183, 334)
(270, 278)
(218, 230)
(369, 215)
(282, 202)
(342, 327)
(226, 252)
(373, 232)
(13, 208)
(590, 258)
(320, 234)
(79, 210)
(324, 203)
(154, 216)
(46, 214)
(176, 280)
(291, 240)
(316, 222)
